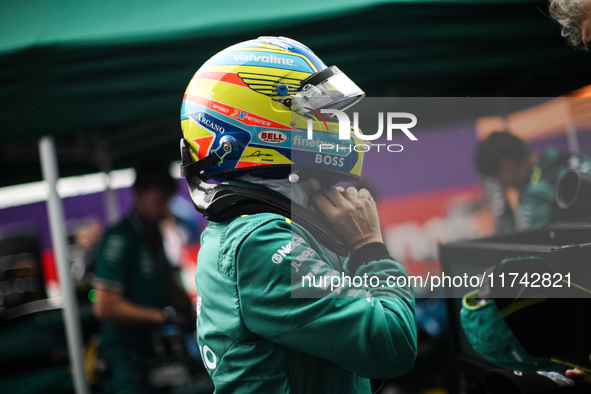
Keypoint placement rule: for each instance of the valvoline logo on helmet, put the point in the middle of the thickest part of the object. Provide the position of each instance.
(288, 61)
(272, 137)
(261, 59)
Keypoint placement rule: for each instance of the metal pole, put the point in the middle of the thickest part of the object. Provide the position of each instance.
(110, 201)
(572, 139)
(55, 211)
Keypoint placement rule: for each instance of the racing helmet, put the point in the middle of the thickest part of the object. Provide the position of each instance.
(256, 108)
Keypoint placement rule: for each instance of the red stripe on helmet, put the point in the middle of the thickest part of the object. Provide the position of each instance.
(245, 164)
(235, 113)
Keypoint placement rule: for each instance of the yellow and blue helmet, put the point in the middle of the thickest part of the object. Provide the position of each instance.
(247, 111)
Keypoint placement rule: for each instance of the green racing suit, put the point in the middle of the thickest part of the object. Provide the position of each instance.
(262, 326)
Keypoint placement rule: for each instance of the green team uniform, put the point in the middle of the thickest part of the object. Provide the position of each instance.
(131, 261)
(538, 199)
(257, 336)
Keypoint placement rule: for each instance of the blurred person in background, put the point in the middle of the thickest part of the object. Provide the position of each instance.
(507, 159)
(136, 288)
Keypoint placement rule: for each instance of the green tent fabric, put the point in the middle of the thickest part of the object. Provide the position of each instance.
(106, 77)
(34, 22)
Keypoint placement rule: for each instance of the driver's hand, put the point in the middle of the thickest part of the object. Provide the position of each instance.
(351, 214)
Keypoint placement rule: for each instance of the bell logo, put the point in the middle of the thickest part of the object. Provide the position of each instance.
(345, 125)
(272, 137)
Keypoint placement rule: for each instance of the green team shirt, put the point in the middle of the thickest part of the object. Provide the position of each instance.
(538, 199)
(257, 336)
(129, 264)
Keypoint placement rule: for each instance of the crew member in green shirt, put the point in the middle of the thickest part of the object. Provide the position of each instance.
(133, 282)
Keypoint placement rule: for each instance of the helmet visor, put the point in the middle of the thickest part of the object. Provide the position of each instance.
(328, 88)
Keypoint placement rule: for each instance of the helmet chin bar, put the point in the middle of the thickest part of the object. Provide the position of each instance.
(222, 202)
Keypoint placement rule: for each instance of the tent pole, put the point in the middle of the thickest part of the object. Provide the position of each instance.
(70, 312)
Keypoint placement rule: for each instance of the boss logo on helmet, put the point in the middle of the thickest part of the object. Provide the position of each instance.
(329, 160)
(272, 136)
